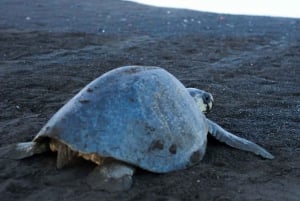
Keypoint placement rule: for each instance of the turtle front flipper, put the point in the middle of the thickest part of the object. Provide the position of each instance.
(237, 142)
(111, 176)
(22, 150)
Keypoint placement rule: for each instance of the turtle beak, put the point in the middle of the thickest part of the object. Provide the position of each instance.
(208, 101)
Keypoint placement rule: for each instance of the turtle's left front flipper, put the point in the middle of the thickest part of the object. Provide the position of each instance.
(237, 142)
(22, 150)
(111, 176)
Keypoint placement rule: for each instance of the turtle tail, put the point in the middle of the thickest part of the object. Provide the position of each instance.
(22, 150)
(237, 142)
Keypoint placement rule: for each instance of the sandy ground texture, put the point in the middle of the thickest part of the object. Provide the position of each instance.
(49, 50)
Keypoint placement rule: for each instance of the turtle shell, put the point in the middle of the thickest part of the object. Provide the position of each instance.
(140, 115)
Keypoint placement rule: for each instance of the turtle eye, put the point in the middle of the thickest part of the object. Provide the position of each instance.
(206, 98)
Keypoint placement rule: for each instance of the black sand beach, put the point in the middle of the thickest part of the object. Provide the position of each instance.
(49, 50)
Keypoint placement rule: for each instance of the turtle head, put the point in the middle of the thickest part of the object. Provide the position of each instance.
(204, 100)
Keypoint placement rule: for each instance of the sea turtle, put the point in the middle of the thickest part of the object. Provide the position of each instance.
(132, 116)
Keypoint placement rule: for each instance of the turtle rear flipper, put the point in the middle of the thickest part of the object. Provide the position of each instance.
(22, 150)
(237, 142)
(64, 154)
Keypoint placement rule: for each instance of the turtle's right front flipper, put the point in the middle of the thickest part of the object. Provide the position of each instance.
(237, 142)
(22, 150)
